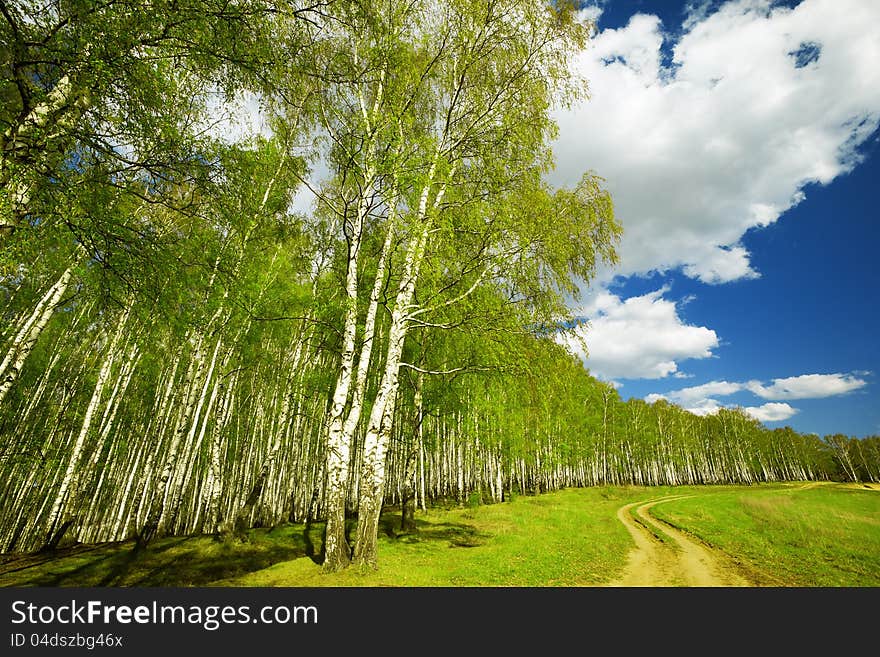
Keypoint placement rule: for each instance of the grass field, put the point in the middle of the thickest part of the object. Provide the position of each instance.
(785, 535)
(565, 538)
(794, 535)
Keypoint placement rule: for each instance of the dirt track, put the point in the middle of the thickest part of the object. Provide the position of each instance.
(679, 560)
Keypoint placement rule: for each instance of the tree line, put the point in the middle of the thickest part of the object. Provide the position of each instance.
(183, 352)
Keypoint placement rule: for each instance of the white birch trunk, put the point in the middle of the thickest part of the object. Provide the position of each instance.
(53, 117)
(338, 456)
(94, 402)
(338, 448)
(382, 413)
(27, 336)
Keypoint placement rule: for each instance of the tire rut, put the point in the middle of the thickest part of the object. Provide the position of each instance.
(666, 556)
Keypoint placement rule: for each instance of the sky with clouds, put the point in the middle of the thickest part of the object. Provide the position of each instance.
(739, 142)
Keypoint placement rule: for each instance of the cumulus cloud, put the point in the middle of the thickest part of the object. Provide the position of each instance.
(697, 406)
(759, 101)
(642, 337)
(807, 386)
(698, 394)
(590, 13)
(771, 412)
(701, 399)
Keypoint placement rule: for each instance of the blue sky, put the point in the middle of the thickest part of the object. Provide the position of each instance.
(739, 141)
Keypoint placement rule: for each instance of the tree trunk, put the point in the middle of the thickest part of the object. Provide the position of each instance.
(26, 142)
(68, 478)
(29, 333)
(382, 414)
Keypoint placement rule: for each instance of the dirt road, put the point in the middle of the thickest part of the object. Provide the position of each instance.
(677, 559)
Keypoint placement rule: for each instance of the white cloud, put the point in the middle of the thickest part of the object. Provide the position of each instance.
(702, 406)
(696, 394)
(771, 412)
(715, 264)
(725, 141)
(807, 386)
(642, 337)
(700, 399)
(590, 13)
(236, 120)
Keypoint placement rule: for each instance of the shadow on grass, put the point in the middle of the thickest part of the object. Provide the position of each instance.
(310, 532)
(456, 534)
(202, 560)
(173, 561)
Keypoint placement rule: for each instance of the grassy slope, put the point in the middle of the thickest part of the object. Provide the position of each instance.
(828, 535)
(792, 535)
(175, 561)
(568, 537)
(564, 538)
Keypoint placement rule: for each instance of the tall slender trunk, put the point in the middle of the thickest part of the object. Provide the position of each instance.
(378, 431)
(409, 488)
(339, 432)
(54, 535)
(30, 331)
(338, 455)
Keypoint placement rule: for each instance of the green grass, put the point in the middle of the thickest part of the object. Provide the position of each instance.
(174, 561)
(565, 538)
(784, 534)
(789, 535)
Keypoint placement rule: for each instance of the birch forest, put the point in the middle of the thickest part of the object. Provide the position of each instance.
(185, 350)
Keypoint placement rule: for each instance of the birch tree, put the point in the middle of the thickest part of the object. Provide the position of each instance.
(495, 81)
(98, 84)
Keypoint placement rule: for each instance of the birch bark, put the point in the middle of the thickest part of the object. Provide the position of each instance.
(30, 331)
(337, 554)
(52, 533)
